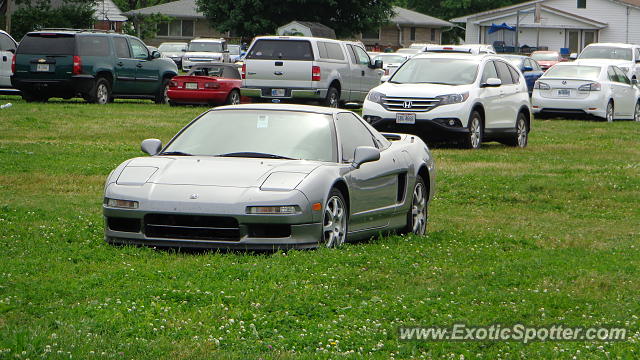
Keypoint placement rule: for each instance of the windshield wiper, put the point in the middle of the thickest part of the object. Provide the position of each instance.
(434, 82)
(255, 155)
(175, 153)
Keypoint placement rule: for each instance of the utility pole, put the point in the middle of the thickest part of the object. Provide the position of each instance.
(10, 6)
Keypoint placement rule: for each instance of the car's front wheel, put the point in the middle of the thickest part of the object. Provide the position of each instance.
(610, 111)
(100, 93)
(334, 222)
(417, 216)
(473, 138)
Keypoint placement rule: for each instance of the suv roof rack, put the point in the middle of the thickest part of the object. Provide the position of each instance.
(78, 30)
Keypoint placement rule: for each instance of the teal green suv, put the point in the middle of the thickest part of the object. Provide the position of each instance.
(97, 66)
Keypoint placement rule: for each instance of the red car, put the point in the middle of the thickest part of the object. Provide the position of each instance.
(547, 59)
(207, 84)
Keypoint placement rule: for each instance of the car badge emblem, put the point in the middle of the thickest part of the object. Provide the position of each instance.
(193, 196)
(407, 105)
(42, 60)
(564, 82)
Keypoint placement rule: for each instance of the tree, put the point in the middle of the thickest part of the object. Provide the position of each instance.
(32, 15)
(248, 18)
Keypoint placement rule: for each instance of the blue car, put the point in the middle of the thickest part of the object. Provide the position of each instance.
(529, 67)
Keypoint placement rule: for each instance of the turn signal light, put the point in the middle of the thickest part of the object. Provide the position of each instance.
(173, 83)
(272, 210)
(244, 71)
(211, 85)
(77, 65)
(124, 204)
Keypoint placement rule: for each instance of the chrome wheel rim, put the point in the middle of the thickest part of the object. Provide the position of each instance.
(610, 112)
(334, 223)
(474, 131)
(419, 210)
(522, 133)
(102, 94)
(165, 94)
(235, 98)
(637, 113)
(333, 100)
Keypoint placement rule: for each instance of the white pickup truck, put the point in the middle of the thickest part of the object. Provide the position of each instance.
(302, 69)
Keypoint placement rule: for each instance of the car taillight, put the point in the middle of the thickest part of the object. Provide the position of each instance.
(590, 87)
(77, 65)
(173, 83)
(541, 86)
(13, 64)
(211, 85)
(244, 71)
(315, 73)
(386, 71)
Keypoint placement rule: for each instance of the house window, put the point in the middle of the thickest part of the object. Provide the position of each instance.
(372, 34)
(413, 33)
(176, 28)
(433, 34)
(582, 4)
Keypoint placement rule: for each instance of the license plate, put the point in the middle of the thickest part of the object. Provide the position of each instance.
(564, 92)
(405, 118)
(191, 85)
(277, 92)
(42, 67)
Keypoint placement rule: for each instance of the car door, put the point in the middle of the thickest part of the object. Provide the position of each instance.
(7, 51)
(508, 104)
(147, 77)
(490, 96)
(125, 67)
(625, 104)
(369, 78)
(373, 187)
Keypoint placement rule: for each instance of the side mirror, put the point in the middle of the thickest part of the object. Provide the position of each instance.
(365, 154)
(527, 68)
(377, 64)
(151, 146)
(492, 82)
(13, 51)
(155, 54)
(634, 81)
(637, 61)
(573, 56)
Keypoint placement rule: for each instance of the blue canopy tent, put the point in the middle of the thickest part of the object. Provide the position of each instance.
(503, 26)
(502, 37)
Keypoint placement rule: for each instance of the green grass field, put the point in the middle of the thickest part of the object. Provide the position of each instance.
(541, 236)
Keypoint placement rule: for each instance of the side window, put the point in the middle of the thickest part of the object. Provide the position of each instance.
(489, 72)
(352, 133)
(322, 49)
(138, 49)
(352, 54)
(529, 63)
(611, 74)
(504, 73)
(6, 43)
(514, 74)
(122, 48)
(334, 51)
(637, 54)
(536, 66)
(93, 46)
(622, 77)
(363, 58)
(231, 73)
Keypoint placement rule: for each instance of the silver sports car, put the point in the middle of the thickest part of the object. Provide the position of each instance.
(268, 176)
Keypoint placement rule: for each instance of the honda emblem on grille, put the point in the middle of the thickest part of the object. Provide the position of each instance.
(193, 196)
(407, 105)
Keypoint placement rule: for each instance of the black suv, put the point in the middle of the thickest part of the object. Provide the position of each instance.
(97, 66)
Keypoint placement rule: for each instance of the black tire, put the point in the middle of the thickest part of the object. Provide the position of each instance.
(418, 215)
(161, 95)
(233, 98)
(334, 234)
(101, 92)
(473, 139)
(173, 103)
(333, 98)
(521, 136)
(610, 112)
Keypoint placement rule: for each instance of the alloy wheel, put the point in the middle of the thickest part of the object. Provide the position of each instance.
(522, 133)
(165, 94)
(474, 131)
(636, 114)
(333, 100)
(610, 112)
(419, 210)
(334, 223)
(102, 94)
(235, 98)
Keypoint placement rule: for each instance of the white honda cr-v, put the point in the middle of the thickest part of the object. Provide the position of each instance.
(473, 98)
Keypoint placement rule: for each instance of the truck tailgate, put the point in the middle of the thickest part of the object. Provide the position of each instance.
(279, 64)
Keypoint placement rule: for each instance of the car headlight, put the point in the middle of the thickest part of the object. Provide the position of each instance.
(282, 181)
(375, 97)
(273, 210)
(452, 98)
(123, 204)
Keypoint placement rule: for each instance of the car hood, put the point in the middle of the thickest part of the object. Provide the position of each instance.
(204, 54)
(211, 171)
(173, 53)
(425, 90)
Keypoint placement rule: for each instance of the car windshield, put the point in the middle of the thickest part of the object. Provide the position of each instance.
(408, 51)
(234, 49)
(258, 133)
(438, 71)
(205, 47)
(574, 71)
(172, 47)
(390, 59)
(606, 52)
(545, 56)
(215, 71)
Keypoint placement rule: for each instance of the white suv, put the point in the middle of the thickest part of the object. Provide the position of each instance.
(202, 51)
(8, 48)
(624, 56)
(473, 98)
(300, 69)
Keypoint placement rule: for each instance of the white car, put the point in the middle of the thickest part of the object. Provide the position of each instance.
(624, 56)
(475, 49)
(174, 50)
(592, 87)
(391, 61)
(202, 51)
(408, 51)
(474, 98)
(8, 48)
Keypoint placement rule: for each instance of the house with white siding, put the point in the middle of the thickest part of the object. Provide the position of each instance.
(567, 25)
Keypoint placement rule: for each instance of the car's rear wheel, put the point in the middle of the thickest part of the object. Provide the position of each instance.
(333, 98)
(417, 216)
(521, 136)
(162, 96)
(473, 138)
(334, 222)
(636, 113)
(100, 93)
(233, 98)
(610, 111)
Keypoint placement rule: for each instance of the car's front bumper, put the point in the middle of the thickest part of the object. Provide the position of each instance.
(290, 93)
(593, 105)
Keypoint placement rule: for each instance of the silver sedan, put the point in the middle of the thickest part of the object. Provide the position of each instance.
(269, 176)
